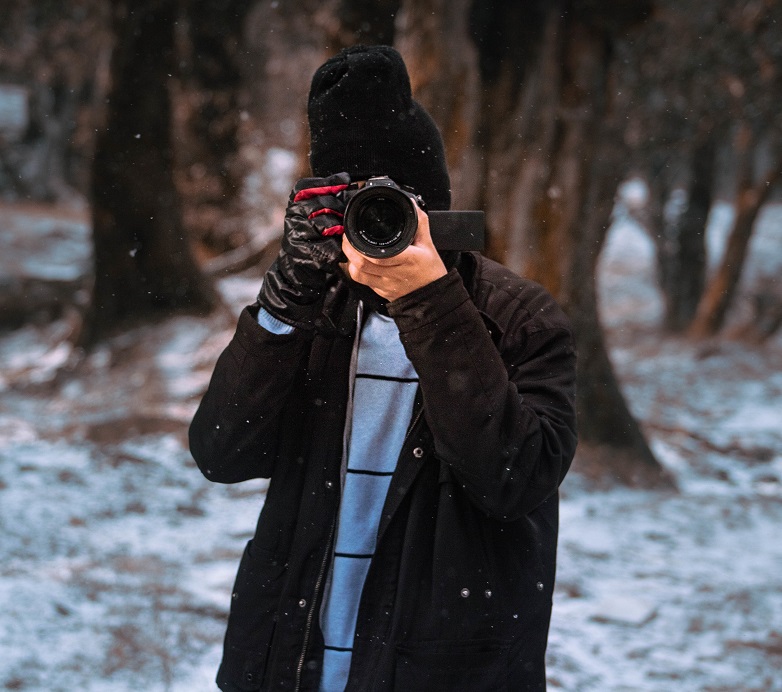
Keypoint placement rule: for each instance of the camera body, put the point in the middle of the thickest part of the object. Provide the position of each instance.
(381, 220)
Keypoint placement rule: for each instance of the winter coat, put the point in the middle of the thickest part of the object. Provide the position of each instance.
(458, 594)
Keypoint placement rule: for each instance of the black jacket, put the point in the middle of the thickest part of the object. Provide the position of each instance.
(458, 595)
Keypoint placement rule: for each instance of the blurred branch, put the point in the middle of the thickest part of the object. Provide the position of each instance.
(242, 258)
(721, 289)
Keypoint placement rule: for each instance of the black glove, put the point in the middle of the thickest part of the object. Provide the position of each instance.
(294, 286)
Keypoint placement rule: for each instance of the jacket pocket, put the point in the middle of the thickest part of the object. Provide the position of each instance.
(478, 665)
(252, 618)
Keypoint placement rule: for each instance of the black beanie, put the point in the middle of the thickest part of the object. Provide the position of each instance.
(363, 120)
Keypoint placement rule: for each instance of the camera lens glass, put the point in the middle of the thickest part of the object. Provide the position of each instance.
(380, 221)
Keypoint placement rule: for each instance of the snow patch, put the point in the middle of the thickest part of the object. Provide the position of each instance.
(117, 556)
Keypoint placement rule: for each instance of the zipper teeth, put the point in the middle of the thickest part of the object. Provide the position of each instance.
(311, 614)
(412, 425)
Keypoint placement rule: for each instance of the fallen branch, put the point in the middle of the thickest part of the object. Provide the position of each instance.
(752, 454)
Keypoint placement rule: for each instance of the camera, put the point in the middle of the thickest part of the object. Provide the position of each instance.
(381, 221)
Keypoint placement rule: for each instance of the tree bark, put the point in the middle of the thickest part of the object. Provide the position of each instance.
(142, 259)
(516, 126)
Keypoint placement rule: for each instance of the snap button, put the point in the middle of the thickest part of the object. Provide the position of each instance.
(329, 485)
(303, 603)
(540, 586)
(465, 593)
(418, 452)
(318, 402)
(487, 593)
(250, 677)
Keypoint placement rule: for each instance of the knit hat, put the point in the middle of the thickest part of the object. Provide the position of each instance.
(363, 120)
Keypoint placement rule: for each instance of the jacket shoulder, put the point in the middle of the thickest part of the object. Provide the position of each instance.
(513, 302)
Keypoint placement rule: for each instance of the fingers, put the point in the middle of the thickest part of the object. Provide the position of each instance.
(356, 262)
(373, 265)
(361, 269)
(307, 188)
(327, 221)
(310, 192)
(320, 200)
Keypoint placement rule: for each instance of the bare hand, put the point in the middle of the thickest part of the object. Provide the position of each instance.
(394, 277)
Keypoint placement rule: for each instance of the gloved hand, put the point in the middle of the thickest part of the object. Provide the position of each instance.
(295, 284)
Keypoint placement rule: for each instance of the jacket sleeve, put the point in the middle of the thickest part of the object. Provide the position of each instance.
(502, 416)
(234, 433)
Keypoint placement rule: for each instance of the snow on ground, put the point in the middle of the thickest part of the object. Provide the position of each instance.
(117, 557)
(678, 591)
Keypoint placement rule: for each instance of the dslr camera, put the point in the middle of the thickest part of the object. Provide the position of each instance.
(381, 221)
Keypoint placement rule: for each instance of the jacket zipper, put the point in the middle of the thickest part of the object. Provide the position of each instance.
(412, 427)
(311, 614)
(327, 552)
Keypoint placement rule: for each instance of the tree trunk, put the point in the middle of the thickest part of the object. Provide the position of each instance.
(681, 250)
(716, 300)
(538, 159)
(143, 263)
(555, 158)
(209, 170)
(518, 46)
(656, 216)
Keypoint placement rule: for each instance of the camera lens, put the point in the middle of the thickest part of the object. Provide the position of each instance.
(381, 218)
(380, 221)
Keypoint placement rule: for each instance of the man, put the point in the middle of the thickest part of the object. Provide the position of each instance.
(415, 415)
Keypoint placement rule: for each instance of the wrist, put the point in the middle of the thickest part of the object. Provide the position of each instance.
(421, 281)
(429, 302)
(272, 324)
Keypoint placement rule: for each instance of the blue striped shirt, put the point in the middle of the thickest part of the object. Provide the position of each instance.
(383, 393)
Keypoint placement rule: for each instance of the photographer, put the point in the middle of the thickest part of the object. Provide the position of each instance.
(415, 414)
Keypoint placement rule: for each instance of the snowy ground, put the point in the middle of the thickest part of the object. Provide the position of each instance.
(117, 557)
(679, 592)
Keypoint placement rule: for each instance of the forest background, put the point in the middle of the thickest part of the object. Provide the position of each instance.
(146, 153)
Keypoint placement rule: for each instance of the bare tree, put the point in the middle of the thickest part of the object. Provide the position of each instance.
(55, 53)
(522, 94)
(751, 196)
(543, 155)
(210, 102)
(142, 258)
(704, 73)
(680, 234)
